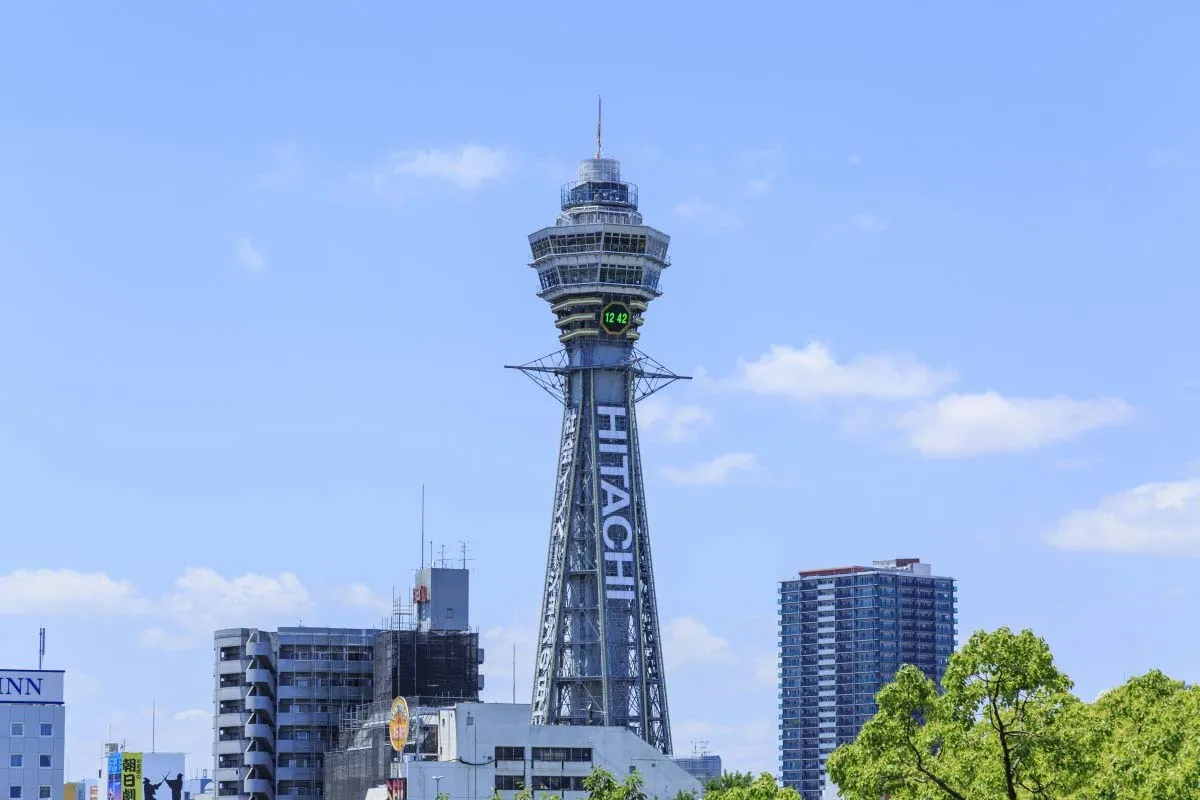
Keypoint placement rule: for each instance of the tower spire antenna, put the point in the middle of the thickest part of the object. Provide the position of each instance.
(599, 119)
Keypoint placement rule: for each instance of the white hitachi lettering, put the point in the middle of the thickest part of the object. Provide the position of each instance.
(622, 561)
(615, 498)
(626, 538)
(622, 471)
(609, 431)
(615, 527)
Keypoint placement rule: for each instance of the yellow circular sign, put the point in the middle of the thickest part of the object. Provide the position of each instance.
(398, 724)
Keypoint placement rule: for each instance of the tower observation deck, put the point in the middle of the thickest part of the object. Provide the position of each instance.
(599, 651)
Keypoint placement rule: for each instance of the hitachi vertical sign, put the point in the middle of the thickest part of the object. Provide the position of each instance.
(615, 488)
(31, 686)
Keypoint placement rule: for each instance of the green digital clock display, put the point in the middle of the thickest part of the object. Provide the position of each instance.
(615, 319)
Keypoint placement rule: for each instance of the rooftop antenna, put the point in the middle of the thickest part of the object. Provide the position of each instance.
(599, 118)
(41, 647)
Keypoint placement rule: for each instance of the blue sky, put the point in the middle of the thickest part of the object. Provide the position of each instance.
(260, 269)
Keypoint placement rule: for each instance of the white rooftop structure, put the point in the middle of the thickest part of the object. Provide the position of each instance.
(489, 747)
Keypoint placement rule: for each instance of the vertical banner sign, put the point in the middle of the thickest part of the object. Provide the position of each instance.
(114, 776)
(131, 776)
(615, 489)
(554, 567)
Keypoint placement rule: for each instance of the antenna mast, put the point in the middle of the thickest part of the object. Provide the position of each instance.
(599, 119)
(41, 646)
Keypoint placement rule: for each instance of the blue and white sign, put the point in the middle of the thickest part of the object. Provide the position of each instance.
(31, 686)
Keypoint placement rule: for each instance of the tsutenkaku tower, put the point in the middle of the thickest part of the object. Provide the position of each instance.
(599, 647)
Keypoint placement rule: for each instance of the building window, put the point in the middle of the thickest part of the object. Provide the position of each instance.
(510, 783)
(558, 783)
(46, 761)
(576, 754)
(14, 793)
(17, 729)
(510, 753)
(43, 793)
(47, 729)
(16, 761)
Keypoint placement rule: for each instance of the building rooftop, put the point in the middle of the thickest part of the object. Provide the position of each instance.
(911, 565)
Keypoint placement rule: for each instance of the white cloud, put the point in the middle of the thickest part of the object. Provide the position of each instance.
(864, 224)
(766, 670)
(812, 373)
(709, 214)
(1154, 519)
(249, 257)
(972, 424)
(204, 600)
(159, 639)
(192, 713)
(721, 469)
(677, 423)
(360, 596)
(67, 592)
(687, 640)
(469, 167)
(78, 685)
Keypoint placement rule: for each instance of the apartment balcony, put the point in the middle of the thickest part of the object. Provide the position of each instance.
(228, 774)
(259, 649)
(258, 786)
(230, 720)
(230, 747)
(261, 676)
(307, 718)
(299, 774)
(260, 758)
(227, 693)
(233, 666)
(260, 702)
(260, 731)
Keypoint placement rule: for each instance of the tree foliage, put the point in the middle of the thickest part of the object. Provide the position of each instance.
(601, 785)
(743, 786)
(1150, 733)
(1006, 726)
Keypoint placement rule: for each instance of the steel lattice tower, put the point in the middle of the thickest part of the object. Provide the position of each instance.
(599, 653)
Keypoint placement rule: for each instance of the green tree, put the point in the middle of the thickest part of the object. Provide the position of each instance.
(729, 780)
(1006, 726)
(742, 786)
(601, 785)
(1150, 750)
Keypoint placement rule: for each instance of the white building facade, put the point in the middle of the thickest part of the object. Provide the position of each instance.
(32, 742)
(492, 747)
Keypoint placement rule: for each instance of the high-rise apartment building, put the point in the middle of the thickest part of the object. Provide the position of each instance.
(282, 697)
(843, 634)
